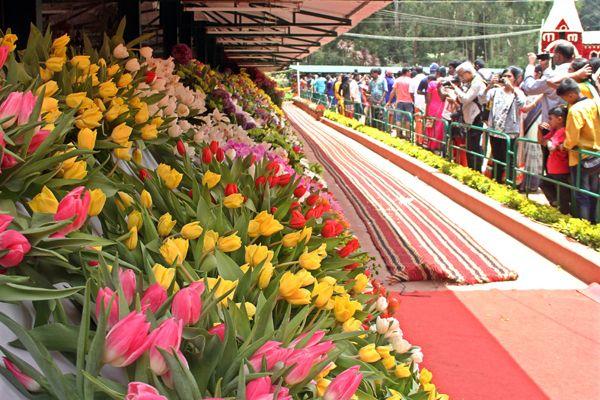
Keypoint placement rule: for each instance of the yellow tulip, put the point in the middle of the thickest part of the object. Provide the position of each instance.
(135, 219)
(352, 325)
(146, 199)
(192, 230)
(210, 240)
(107, 89)
(311, 260)
(322, 293)
(388, 362)
(266, 273)
(395, 395)
(174, 250)
(45, 74)
(113, 69)
(234, 200)
(163, 276)
(120, 133)
(137, 156)
(360, 283)
(224, 287)
(9, 41)
(210, 179)
(86, 139)
(425, 376)
(229, 243)
(97, 201)
(79, 99)
(430, 388)
(78, 170)
(50, 88)
(124, 80)
(165, 224)
(44, 202)
(90, 118)
(306, 278)
(250, 309)
(55, 64)
(124, 200)
(384, 351)
(143, 114)
(132, 241)
(255, 254)
(81, 62)
(149, 132)
(264, 224)
(49, 104)
(113, 113)
(344, 308)
(169, 176)
(157, 121)
(61, 41)
(368, 354)
(402, 371)
(135, 102)
(60, 52)
(124, 152)
(290, 288)
(322, 385)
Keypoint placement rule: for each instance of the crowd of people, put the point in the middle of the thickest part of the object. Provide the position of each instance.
(481, 112)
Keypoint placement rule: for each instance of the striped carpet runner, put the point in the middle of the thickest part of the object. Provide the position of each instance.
(416, 241)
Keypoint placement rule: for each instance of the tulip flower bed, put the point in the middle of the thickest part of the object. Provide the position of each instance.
(160, 225)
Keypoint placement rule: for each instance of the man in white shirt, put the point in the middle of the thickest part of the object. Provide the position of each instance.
(419, 98)
(355, 94)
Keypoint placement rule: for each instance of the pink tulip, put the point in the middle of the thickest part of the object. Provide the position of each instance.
(17, 246)
(219, 331)
(314, 339)
(37, 140)
(127, 340)
(4, 52)
(108, 298)
(28, 382)
(343, 386)
(168, 377)
(19, 106)
(154, 297)
(272, 352)
(187, 303)
(167, 337)
(128, 283)
(304, 359)
(142, 391)
(75, 204)
(5, 221)
(27, 105)
(263, 389)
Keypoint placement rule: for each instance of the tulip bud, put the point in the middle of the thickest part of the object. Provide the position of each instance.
(146, 199)
(417, 356)
(143, 174)
(402, 371)
(86, 139)
(166, 337)
(369, 354)
(343, 386)
(154, 297)
(220, 155)
(134, 219)
(299, 191)
(181, 148)
(97, 201)
(108, 298)
(165, 224)
(128, 283)
(187, 303)
(127, 340)
(219, 331)
(381, 304)
(28, 382)
(230, 189)
(44, 202)
(192, 231)
(142, 391)
(206, 155)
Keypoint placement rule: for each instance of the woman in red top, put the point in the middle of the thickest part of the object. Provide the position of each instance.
(551, 134)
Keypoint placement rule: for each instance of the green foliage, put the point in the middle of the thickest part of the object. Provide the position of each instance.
(576, 228)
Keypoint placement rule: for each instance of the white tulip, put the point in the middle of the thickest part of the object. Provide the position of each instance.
(230, 153)
(373, 328)
(132, 65)
(382, 325)
(183, 110)
(120, 51)
(417, 356)
(146, 52)
(252, 170)
(400, 345)
(381, 304)
(174, 131)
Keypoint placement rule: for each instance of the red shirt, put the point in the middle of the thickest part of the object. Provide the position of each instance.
(558, 161)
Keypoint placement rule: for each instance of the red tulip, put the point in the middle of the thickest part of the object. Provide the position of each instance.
(16, 246)
(331, 228)
(107, 297)
(230, 189)
(180, 147)
(127, 340)
(260, 181)
(167, 337)
(143, 174)
(37, 140)
(218, 330)
(142, 391)
(154, 297)
(343, 386)
(74, 205)
(206, 155)
(214, 146)
(187, 303)
(349, 248)
(220, 155)
(273, 166)
(284, 179)
(150, 77)
(312, 199)
(297, 221)
(28, 382)
(299, 191)
(351, 267)
(295, 205)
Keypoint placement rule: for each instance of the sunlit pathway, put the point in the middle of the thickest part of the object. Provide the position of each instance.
(509, 339)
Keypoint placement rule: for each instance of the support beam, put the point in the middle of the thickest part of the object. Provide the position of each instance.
(130, 9)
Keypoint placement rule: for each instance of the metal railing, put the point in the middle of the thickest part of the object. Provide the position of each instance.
(422, 130)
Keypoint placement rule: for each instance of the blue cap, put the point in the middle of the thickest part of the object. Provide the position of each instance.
(433, 67)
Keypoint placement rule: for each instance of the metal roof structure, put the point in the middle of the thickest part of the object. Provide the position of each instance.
(271, 35)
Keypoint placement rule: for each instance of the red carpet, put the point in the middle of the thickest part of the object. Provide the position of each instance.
(500, 345)
(416, 241)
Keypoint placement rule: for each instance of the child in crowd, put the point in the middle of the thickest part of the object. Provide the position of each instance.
(551, 135)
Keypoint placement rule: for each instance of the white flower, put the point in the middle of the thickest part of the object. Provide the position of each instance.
(182, 110)
(382, 325)
(174, 131)
(231, 153)
(417, 356)
(400, 344)
(146, 52)
(381, 304)
(132, 65)
(120, 51)
(184, 125)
